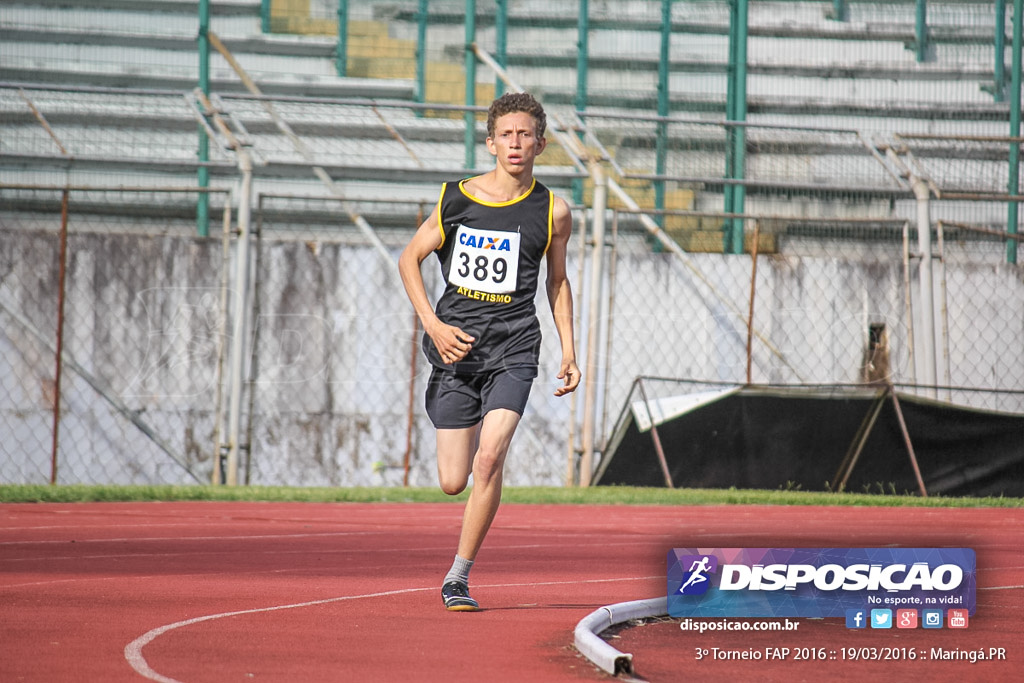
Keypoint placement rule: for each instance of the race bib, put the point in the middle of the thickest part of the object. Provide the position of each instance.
(485, 260)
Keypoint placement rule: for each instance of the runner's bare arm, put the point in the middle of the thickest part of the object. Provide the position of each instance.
(451, 342)
(560, 297)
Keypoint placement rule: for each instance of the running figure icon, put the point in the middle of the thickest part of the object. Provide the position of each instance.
(697, 573)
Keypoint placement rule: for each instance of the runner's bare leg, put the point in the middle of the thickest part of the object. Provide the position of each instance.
(487, 465)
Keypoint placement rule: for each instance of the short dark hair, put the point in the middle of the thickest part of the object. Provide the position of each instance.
(513, 102)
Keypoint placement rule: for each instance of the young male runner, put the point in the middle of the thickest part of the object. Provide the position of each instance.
(490, 233)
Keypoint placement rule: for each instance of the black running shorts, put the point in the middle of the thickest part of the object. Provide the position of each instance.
(457, 401)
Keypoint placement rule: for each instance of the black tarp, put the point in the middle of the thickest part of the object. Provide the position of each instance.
(769, 438)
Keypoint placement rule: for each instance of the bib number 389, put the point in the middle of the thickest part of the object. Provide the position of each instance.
(486, 260)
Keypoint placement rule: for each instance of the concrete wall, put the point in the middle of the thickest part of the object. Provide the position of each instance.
(334, 335)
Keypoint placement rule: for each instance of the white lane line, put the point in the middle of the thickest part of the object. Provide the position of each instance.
(133, 650)
(379, 529)
(303, 551)
(158, 539)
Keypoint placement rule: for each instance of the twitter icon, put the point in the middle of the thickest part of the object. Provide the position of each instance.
(881, 618)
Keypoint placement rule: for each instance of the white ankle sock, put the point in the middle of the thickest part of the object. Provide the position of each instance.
(459, 571)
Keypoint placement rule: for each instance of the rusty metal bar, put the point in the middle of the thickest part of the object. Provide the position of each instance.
(857, 445)
(659, 451)
(304, 151)
(101, 188)
(610, 315)
(753, 291)
(254, 356)
(44, 123)
(854, 220)
(570, 467)
(220, 451)
(62, 261)
(957, 138)
(393, 132)
(414, 353)
(104, 392)
(413, 357)
(983, 231)
(59, 353)
(906, 440)
(908, 300)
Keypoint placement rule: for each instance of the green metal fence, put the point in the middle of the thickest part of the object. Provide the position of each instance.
(852, 165)
(911, 65)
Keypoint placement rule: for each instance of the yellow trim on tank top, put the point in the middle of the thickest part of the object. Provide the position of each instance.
(551, 219)
(462, 188)
(440, 219)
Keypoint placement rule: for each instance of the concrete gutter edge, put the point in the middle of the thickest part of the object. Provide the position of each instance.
(601, 653)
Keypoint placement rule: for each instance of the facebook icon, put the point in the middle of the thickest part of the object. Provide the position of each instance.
(856, 618)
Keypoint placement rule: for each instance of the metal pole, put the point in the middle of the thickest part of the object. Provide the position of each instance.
(574, 399)
(203, 173)
(582, 63)
(582, 54)
(594, 323)
(103, 391)
(929, 372)
(658, 450)
(999, 71)
(59, 365)
(906, 440)
(661, 139)
(265, 16)
(570, 466)
(501, 43)
(414, 353)
(740, 137)
(943, 305)
(254, 339)
(730, 99)
(921, 29)
(1013, 186)
(609, 316)
(839, 10)
(411, 411)
(909, 304)
(420, 95)
(470, 117)
(857, 445)
(341, 57)
(220, 452)
(753, 292)
(239, 324)
(736, 110)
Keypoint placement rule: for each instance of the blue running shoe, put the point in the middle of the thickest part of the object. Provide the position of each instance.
(456, 597)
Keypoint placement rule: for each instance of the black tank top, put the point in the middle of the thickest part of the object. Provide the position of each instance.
(490, 258)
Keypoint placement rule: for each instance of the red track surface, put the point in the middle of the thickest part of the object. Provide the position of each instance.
(318, 592)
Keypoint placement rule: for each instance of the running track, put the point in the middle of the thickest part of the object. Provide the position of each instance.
(195, 592)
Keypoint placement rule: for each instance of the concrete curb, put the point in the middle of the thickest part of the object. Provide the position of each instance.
(601, 653)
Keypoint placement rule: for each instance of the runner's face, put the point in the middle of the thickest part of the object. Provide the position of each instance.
(515, 143)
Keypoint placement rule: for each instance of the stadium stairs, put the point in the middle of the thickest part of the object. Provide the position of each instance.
(805, 69)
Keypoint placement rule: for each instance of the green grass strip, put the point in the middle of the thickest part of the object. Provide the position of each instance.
(599, 495)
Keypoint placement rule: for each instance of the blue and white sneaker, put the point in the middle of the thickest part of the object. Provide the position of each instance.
(456, 597)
